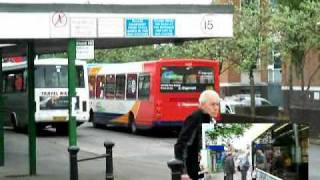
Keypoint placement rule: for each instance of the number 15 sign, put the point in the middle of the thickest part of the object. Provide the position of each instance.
(219, 25)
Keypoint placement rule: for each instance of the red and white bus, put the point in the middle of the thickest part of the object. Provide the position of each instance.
(149, 94)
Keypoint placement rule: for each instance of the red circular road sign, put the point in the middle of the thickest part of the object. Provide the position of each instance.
(59, 19)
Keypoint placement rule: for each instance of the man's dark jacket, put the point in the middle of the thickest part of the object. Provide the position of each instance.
(189, 142)
(229, 165)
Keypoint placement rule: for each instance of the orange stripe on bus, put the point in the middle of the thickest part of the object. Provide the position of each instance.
(135, 108)
(124, 118)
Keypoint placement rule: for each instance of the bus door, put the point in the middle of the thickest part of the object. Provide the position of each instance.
(146, 108)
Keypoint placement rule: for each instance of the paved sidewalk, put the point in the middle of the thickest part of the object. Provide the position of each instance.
(52, 162)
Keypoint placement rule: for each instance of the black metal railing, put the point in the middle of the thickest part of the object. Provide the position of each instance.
(73, 150)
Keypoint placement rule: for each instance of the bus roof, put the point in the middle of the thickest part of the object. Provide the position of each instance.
(186, 59)
(131, 67)
(115, 68)
(49, 61)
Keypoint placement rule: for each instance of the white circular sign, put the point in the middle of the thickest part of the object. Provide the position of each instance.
(208, 24)
(59, 19)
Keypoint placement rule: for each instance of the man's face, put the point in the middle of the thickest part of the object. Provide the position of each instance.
(211, 106)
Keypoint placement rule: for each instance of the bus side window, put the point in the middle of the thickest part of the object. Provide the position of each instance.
(79, 76)
(92, 81)
(120, 86)
(18, 82)
(100, 87)
(131, 86)
(144, 87)
(110, 86)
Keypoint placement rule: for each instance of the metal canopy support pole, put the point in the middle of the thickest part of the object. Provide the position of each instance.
(1, 116)
(73, 149)
(72, 91)
(297, 152)
(32, 107)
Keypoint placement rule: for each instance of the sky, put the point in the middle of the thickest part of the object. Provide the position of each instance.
(110, 1)
(252, 133)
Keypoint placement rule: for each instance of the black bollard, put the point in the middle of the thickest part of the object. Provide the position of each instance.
(73, 150)
(176, 168)
(109, 164)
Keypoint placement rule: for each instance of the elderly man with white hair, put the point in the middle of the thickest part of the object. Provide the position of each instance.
(189, 141)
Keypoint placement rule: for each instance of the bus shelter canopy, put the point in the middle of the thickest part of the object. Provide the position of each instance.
(50, 26)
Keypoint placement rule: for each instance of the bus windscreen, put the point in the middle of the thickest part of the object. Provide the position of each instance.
(56, 76)
(186, 78)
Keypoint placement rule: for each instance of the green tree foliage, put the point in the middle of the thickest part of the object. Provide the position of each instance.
(296, 32)
(292, 4)
(55, 55)
(249, 38)
(227, 131)
(130, 54)
(204, 49)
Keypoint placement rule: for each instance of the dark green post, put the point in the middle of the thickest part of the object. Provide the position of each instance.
(72, 91)
(1, 117)
(32, 108)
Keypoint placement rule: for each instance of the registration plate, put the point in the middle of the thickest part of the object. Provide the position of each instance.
(59, 118)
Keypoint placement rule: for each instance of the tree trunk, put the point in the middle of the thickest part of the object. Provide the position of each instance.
(252, 93)
(312, 76)
(304, 93)
(220, 66)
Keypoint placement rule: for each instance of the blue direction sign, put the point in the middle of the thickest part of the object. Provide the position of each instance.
(164, 27)
(137, 27)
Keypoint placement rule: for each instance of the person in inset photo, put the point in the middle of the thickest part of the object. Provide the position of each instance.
(229, 167)
(260, 160)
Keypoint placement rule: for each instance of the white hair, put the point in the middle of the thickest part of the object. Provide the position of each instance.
(205, 94)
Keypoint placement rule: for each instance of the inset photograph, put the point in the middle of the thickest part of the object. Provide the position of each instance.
(245, 151)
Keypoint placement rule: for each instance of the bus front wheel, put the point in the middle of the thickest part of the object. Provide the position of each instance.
(132, 124)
